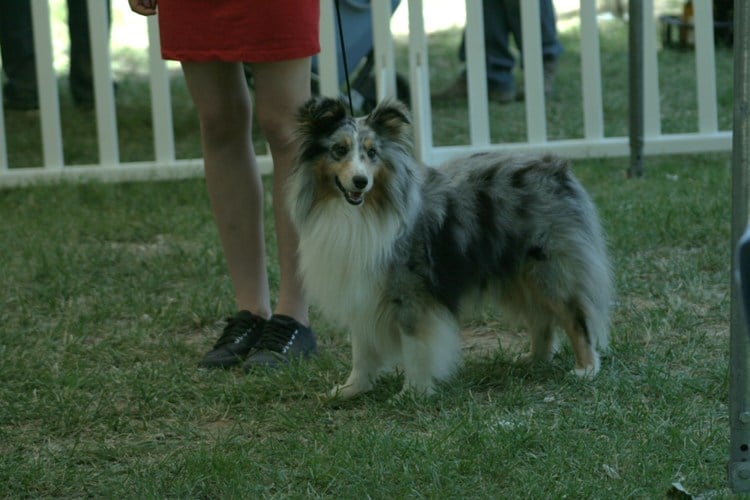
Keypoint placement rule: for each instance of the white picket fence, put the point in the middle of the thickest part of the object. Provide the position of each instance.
(593, 143)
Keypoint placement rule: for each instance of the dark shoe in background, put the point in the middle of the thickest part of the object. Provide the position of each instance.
(19, 99)
(549, 71)
(453, 92)
(501, 96)
(83, 97)
(458, 91)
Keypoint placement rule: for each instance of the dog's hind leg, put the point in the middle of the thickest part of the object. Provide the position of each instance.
(544, 343)
(575, 323)
(431, 352)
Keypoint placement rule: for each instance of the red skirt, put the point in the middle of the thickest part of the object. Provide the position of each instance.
(238, 30)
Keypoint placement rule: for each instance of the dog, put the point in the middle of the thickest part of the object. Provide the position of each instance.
(394, 251)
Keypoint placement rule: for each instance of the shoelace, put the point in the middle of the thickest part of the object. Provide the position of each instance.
(277, 336)
(237, 328)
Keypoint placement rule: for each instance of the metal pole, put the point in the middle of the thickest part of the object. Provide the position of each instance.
(635, 74)
(739, 362)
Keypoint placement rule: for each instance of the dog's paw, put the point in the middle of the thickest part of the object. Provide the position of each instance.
(587, 372)
(526, 359)
(348, 391)
(532, 358)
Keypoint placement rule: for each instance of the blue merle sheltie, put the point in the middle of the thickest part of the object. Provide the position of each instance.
(394, 251)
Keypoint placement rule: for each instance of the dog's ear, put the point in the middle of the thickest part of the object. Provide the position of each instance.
(321, 115)
(390, 119)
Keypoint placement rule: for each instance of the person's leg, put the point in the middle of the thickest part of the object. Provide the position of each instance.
(499, 24)
(81, 70)
(17, 51)
(222, 100)
(280, 89)
(498, 56)
(551, 46)
(510, 12)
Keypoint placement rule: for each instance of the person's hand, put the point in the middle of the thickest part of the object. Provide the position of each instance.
(143, 7)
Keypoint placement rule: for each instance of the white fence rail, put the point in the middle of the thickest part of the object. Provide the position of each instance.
(593, 143)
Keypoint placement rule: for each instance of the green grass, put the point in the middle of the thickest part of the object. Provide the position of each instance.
(112, 293)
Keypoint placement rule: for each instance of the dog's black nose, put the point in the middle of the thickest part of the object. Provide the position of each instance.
(359, 181)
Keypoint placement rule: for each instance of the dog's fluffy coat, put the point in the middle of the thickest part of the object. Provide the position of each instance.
(394, 251)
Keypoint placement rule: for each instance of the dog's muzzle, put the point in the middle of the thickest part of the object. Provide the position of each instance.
(353, 197)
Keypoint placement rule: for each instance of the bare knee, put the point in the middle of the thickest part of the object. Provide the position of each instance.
(278, 128)
(223, 122)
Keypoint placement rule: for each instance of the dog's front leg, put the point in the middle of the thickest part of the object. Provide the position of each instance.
(366, 364)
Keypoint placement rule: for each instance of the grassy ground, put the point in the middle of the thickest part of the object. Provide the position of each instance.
(111, 293)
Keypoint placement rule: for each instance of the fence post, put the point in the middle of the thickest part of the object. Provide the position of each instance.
(739, 348)
(635, 84)
(328, 68)
(106, 111)
(420, 83)
(49, 101)
(385, 58)
(476, 67)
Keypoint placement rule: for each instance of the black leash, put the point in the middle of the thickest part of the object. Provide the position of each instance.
(343, 54)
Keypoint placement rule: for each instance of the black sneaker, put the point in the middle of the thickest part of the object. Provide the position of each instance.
(20, 99)
(458, 90)
(283, 339)
(239, 337)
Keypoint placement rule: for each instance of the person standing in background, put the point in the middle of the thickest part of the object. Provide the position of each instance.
(502, 20)
(19, 60)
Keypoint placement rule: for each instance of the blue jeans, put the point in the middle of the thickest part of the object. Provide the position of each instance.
(502, 19)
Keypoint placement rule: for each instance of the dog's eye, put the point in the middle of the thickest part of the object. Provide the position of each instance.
(338, 151)
(372, 153)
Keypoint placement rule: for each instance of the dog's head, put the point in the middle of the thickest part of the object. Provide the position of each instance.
(350, 157)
